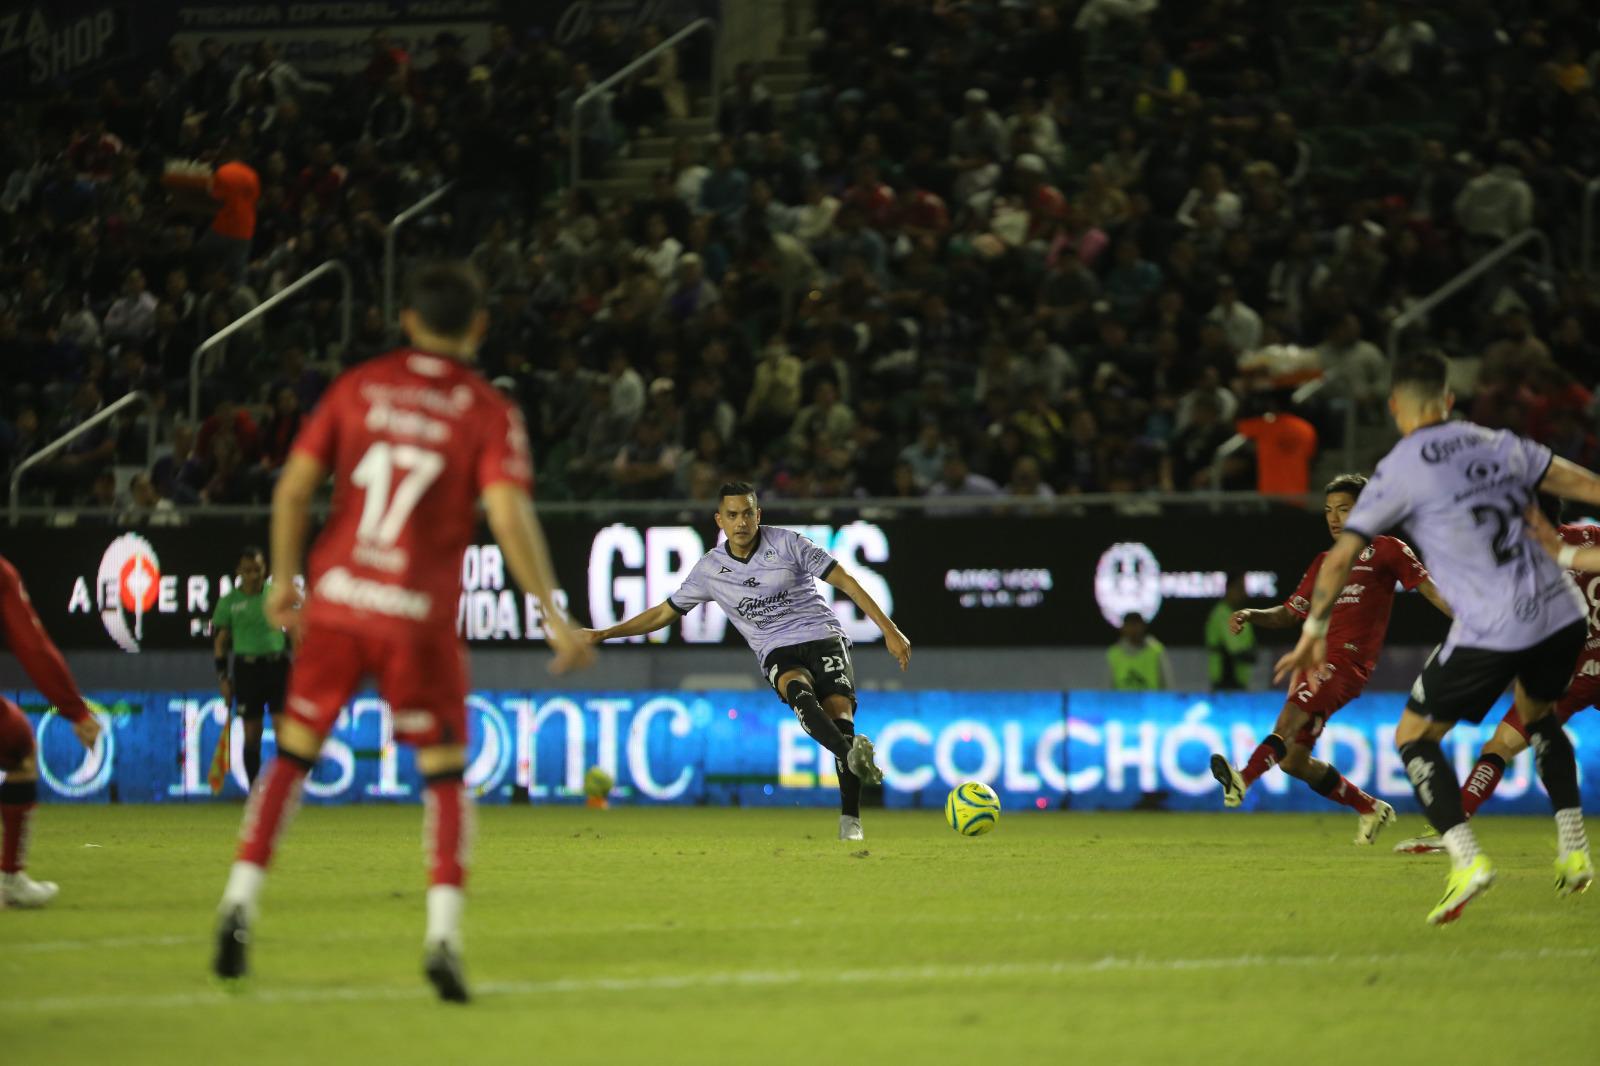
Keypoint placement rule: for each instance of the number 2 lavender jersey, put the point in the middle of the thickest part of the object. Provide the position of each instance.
(1460, 490)
(771, 597)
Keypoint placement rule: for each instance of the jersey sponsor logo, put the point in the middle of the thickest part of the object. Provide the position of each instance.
(452, 404)
(763, 611)
(340, 586)
(384, 417)
(1350, 594)
(1439, 451)
(1482, 469)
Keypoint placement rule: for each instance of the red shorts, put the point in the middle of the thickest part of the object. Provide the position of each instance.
(1581, 695)
(16, 736)
(1343, 684)
(422, 678)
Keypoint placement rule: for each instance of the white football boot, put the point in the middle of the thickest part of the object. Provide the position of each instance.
(1372, 824)
(850, 828)
(20, 890)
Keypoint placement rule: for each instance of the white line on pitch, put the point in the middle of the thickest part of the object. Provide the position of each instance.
(774, 978)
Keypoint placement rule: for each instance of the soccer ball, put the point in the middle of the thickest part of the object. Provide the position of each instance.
(972, 809)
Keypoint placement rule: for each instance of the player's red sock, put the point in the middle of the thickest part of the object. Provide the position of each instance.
(1338, 788)
(1481, 783)
(270, 809)
(1265, 757)
(17, 800)
(447, 831)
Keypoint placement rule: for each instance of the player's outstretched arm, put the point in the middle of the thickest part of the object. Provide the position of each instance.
(893, 639)
(1279, 617)
(520, 536)
(1431, 593)
(291, 521)
(1571, 481)
(658, 617)
(1570, 556)
(1311, 652)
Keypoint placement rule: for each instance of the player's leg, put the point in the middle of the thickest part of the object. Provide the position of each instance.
(1542, 680)
(793, 673)
(1508, 742)
(1269, 753)
(842, 710)
(1324, 778)
(323, 679)
(19, 795)
(426, 690)
(1460, 687)
(250, 704)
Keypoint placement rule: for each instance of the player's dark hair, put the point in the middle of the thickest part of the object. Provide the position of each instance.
(1424, 372)
(1553, 507)
(252, 551)
(1350, 483)
(736, 488)
(446, 296)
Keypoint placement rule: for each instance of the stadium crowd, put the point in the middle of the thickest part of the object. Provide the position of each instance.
(991, 248)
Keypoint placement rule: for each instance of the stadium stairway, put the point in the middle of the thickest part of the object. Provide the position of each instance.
(628, 175)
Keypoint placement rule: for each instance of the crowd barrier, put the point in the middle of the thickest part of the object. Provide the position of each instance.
(1040, 750)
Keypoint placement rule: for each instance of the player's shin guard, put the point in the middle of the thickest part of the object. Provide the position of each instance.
(1481, 782)
(272, 806)
(1336, 787)
(17, 800)
(1434, 782)
(447, 823)
(1268, 754)
(849, 783)
(818, 726)
(1558, 769)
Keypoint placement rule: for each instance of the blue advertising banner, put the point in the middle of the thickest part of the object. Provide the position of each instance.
(1039, 750)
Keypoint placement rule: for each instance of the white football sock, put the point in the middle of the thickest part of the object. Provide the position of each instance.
(1462, 845)
(445, 904)
(244, 887)
(1569, 830)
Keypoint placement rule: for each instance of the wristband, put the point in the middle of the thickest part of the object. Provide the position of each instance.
(222, 666)
(1567, 555)
(1316, 627)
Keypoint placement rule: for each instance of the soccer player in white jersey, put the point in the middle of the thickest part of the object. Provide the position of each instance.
(1461, 490)
(765, 579)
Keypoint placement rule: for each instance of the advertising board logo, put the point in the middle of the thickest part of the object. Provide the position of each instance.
(127, 588)
(1127, 581)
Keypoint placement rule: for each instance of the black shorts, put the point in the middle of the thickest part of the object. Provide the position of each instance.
(1464, 687)
(827, 661)
(259, 684)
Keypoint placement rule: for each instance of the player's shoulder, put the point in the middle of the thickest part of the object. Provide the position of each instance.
(1392, 548)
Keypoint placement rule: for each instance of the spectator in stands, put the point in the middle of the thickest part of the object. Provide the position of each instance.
(646, 467)
(824, 417)
(1211, 191)
(746, 106)
(146, 506)
(131, 318)
(1192, 451)
(957, 478)
(1285, 445)
(726, 188)
(276, 79)
(1498, 204)
(1240, 324)
(1354, 367)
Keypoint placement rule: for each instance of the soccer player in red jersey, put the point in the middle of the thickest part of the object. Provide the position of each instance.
(1511, 737)
(19, 793)
(413, 439)
(1360, 619)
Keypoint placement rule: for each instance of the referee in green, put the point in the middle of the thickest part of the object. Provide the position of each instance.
(260, 674)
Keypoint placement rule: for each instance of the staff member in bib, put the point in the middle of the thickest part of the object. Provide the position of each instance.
(260, 673)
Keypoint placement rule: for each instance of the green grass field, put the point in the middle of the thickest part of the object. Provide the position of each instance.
(742, 936)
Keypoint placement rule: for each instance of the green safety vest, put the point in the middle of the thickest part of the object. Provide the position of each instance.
(1232, 657)
(1136, 671)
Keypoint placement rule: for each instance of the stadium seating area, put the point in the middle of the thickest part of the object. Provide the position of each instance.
(988, 248)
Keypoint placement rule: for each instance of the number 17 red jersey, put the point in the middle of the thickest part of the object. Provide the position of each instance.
(412, 440)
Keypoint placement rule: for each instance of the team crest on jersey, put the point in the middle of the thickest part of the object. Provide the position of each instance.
(1368, 553)
(769, 556)
(1300, 604)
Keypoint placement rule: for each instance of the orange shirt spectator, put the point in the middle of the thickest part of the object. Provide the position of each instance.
(1285, 445)
(238, 188)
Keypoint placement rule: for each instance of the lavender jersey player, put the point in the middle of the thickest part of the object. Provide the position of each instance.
(771, 596)
(1460, 490)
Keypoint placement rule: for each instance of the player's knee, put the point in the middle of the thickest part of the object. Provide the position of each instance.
(1296, 762)
(839, 708)
(442, 762)
(798, 686)
(299, 742)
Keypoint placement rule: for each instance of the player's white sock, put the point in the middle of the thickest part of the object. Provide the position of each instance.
(1461, 844)
(1569, 830)
(445, 904)
(244, 887)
